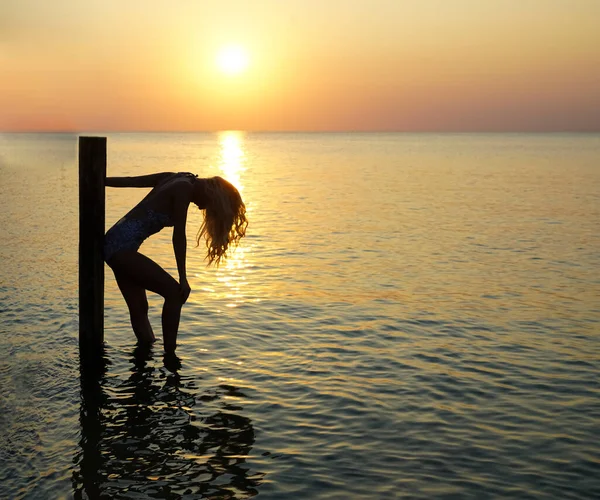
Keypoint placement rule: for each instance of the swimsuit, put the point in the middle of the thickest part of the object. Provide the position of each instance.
(130, 233)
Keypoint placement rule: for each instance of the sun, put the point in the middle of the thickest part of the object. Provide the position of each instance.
(232, 59)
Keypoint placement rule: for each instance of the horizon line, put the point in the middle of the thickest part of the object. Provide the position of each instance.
(383, 131)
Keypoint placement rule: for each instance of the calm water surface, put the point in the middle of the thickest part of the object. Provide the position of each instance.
(410, 316)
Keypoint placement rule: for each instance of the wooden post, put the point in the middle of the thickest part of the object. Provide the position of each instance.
(92, 176)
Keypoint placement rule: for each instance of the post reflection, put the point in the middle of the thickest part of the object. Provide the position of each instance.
(154, 435)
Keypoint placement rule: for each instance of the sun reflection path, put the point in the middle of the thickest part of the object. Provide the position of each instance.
(231, 276)
(232, 158)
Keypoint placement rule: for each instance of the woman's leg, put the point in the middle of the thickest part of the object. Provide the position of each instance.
(144, 272)
(137, 302)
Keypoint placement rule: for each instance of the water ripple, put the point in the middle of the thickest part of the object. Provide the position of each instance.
(409, 317)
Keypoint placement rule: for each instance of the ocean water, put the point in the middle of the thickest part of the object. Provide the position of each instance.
(410, 316)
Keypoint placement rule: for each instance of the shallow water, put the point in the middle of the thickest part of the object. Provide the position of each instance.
(410, 316)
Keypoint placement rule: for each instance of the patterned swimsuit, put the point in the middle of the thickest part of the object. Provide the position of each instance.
(130, 233)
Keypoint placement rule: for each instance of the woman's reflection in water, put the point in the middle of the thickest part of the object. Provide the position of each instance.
(153, 435)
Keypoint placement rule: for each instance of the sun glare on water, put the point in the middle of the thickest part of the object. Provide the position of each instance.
(232, 60)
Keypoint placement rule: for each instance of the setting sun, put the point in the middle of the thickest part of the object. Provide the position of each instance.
(232, 59)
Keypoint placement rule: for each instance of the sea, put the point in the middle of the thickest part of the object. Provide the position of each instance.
(408, 316)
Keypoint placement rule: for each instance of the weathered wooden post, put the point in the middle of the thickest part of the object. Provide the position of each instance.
(92, 175)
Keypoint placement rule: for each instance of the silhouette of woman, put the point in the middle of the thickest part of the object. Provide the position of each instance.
(167, 205)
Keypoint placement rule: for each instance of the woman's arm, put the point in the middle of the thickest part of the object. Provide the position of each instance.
(138, 181)
(180, 208)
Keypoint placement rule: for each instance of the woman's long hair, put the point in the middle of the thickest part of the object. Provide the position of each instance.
(224, 219)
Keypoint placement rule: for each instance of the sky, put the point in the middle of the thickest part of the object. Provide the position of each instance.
(313, 65)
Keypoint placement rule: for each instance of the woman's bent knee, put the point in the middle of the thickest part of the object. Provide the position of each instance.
(174, 297)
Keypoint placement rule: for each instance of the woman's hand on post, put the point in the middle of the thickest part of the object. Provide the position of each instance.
(185, 290)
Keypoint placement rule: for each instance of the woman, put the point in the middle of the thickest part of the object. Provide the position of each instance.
(167, 205)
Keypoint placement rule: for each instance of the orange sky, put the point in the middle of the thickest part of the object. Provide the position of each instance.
(426, 65)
